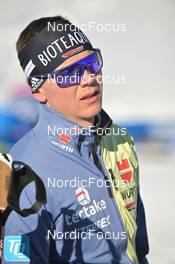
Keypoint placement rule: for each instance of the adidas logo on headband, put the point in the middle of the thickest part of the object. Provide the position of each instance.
(35, 83)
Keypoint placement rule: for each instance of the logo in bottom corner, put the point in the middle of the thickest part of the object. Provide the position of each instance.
(16, 248)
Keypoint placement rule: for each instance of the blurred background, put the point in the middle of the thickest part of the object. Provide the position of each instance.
(139, 78)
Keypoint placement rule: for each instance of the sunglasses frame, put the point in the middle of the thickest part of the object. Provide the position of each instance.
(56, 73)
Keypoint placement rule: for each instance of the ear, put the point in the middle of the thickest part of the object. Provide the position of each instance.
(40, 96)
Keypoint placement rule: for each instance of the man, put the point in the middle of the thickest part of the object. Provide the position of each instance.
(94, 213)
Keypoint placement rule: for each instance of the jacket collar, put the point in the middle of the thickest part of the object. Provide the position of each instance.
(56, 128)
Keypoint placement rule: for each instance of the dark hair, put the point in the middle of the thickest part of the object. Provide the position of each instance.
(35, 28)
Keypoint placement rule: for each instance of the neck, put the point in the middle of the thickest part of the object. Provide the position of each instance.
(86, 122)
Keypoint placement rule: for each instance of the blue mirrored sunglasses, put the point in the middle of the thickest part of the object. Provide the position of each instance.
(72, 74)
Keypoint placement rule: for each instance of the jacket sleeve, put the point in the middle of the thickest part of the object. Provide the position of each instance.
(28, 233)
(142, 246)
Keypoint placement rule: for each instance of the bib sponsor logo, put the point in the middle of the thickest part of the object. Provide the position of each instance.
(130, 206)
(125, 170)
(64, 138)
(86, 212)
(101, 223)
(82, 196)
(129, 196)
(130, 193)
(63, 147)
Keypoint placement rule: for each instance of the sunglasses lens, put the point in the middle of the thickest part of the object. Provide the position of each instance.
(93, 63)
(96, 66)
(70, 76)
(73, 74)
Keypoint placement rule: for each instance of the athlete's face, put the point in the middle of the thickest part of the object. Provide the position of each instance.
(80, 102)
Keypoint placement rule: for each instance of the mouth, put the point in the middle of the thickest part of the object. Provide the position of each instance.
(91, 96)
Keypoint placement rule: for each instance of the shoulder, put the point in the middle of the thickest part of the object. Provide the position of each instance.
(28, 147)
(118, 135)
(20, 145)
(118, 142)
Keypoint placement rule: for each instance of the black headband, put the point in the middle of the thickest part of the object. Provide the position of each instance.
(50, 48)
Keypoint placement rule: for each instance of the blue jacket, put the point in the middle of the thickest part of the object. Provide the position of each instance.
(83, 220)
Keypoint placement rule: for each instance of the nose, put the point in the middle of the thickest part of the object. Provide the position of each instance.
(87, 79)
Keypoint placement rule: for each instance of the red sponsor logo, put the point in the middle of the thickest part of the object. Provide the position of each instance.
(80, 193)
(82, 196)
(64, 138)
(72, 52)
(125, 170)
(130, 206)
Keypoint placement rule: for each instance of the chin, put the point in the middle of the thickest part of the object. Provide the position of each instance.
(91, 111)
